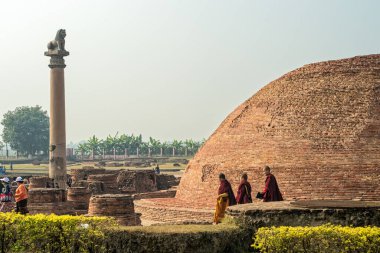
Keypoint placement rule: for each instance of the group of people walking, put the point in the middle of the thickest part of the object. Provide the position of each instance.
(226, 196)
(7, 198)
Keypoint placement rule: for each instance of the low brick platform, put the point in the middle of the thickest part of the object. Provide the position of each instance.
(157, 194)
(306, 213)
(169, 210)
(118, 206)
(59, 208)
(47, 195)
(49, 200)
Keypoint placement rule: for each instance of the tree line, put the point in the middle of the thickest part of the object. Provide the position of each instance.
(26, 130)
(135, 145)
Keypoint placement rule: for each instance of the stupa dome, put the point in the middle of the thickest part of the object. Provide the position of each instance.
(317, 127)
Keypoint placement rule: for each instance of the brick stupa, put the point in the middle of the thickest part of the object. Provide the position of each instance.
(318, 127)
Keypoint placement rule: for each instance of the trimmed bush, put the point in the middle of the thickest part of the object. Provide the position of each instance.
(178, 239)
(326, 238)
(52, 233)
(75, 234)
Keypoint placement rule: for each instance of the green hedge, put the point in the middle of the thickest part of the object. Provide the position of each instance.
(53, 234)
(179, 239)
(326, 238)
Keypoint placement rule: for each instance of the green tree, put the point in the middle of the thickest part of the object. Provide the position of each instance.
(26, 129)
(178, 146)
(94, 145)
(82, 149)
(110, 143)
(155, 145)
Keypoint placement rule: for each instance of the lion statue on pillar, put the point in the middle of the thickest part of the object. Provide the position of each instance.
(59, 42)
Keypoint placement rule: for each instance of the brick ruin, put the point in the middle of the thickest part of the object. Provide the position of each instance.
(306, 213)
(317, 127)
(44, 198)
(97, 191)
(119, 206)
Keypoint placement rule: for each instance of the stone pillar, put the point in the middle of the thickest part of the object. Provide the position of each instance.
(57, 164)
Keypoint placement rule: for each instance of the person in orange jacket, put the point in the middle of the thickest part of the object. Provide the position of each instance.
(21, 197)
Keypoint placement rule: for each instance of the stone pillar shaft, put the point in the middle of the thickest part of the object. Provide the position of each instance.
(57, 166)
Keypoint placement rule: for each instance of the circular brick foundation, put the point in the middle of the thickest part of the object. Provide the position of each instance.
(80, 197)
(118, 206)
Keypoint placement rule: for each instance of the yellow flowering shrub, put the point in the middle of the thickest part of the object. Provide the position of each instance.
(74, 234)
(52, 233)
(326, 238)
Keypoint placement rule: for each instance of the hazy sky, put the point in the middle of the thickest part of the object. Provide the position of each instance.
(170, 69)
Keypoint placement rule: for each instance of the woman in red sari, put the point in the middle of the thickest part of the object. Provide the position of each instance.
(244, 191)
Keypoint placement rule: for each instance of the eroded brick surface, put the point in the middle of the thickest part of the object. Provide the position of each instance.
(172, 210)
(318, 127)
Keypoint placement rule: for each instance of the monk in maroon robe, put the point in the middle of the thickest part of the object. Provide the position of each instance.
(271, 190)
(244, 191)
(226, 197)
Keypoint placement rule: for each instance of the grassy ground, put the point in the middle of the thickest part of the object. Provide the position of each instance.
(40, 170)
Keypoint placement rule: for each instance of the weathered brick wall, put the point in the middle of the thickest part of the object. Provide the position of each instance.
(134, 181)
(283, 213)
(81, 174)
(47, 195)
(108, 182)
(165, 181)
(49, 200)
(41, 182)
(59, 208)
(318, 127)
(101, 181)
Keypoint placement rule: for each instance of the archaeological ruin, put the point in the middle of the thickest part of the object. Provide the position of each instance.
(91, 191)
(317, 127)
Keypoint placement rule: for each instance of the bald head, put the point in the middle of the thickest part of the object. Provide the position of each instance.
(267, 170)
